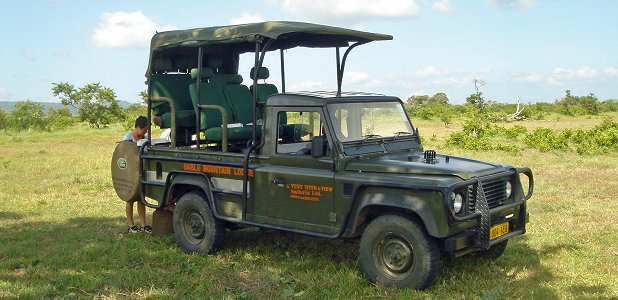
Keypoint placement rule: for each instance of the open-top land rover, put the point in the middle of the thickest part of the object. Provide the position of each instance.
(328, 164)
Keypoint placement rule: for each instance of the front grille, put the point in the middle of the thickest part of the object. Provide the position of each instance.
(494, 192)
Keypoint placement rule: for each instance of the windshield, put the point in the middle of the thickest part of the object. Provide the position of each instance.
(358, 121)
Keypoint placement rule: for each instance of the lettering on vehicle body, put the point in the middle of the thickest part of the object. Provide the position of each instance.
(217, 170)
(308, 192)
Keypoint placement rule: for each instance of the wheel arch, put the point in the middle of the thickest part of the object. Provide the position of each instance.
(184, 182)
(424, 206)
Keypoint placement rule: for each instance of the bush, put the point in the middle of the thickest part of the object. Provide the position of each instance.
(466, 141)
(579, 105)
(5, 120)
(545, 139)
(514, 132)
(602, 138)
(28, 115)
(59, 119)
(132, 112)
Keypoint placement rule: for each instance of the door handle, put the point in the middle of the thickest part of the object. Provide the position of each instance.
(278, 181)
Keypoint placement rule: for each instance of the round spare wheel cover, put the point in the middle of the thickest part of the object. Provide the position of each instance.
(125, 171)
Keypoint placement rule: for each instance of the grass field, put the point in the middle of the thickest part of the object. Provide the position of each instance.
(62, 235)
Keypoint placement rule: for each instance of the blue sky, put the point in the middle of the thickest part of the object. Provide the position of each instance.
(533, 50)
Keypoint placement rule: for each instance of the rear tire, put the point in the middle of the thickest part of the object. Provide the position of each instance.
(396, 251)
(195, 227)
(493, 252)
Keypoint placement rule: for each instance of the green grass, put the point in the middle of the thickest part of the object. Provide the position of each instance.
(62, 235)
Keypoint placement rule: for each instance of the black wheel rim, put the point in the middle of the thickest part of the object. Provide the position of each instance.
(194, 226)
(394, 256)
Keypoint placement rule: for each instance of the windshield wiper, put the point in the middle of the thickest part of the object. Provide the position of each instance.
(369, 136)
(399, 133)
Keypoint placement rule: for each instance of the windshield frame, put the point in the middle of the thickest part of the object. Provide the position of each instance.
(373, 144)
(364, 136)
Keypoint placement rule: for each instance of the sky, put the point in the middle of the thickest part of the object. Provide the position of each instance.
(524, 50)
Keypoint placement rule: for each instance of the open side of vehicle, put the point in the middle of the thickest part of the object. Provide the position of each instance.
(327, 164)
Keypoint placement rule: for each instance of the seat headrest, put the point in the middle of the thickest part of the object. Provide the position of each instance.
(207, 73)
(215, 61)
(233, 79)
(263, 74)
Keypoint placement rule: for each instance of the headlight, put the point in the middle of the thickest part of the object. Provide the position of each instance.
(508, 189)
(457, 202)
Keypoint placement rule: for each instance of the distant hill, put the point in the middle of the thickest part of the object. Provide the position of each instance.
(8, 106)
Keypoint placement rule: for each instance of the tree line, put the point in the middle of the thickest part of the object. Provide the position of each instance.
(95, 104)
(98, 106)
(437, 107)
(481, 129)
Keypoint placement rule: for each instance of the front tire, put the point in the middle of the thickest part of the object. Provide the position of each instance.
(396, 251)
(195, 227)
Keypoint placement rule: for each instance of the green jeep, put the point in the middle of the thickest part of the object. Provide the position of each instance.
(335, 164)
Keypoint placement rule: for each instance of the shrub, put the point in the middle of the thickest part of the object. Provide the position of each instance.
(4, 120)
(546, 139)
(602, 138)
(462, 140)
(28, 115)
(59, 119)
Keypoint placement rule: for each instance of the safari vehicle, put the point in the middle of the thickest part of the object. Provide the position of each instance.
(346, 165)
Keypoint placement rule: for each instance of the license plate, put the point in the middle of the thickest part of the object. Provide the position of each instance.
(498, 230)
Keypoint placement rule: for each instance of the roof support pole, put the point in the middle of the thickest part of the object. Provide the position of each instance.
(339, 72)
(282, 71)
(198, 111)
(341, 66)
(259, 59)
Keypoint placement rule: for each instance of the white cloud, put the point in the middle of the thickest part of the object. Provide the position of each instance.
(125, 30)
(360, 81)
(355, 77)
(351, 10)
(429, 72)
(247, 18)
(442, 5)
(529, 77)
(561, 76)
(611, 71)
(514, 4)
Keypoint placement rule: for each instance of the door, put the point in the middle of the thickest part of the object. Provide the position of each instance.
(300, 187)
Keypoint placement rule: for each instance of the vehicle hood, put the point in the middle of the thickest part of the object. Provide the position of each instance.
(415, 163)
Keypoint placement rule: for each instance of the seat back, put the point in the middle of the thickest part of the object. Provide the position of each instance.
(210, 94)
(240, 99)
(264, 90)
(173, 86)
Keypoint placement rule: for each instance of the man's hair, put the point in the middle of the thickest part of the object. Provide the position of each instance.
(141, 122)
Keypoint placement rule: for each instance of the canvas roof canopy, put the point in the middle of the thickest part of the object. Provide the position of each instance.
(242, 38)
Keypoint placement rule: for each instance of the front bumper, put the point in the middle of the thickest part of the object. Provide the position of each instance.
(477, 237)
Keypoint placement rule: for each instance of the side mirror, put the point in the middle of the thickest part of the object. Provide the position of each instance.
(317, 146)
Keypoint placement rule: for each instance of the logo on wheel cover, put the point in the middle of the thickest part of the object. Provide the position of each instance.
(121, 163)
